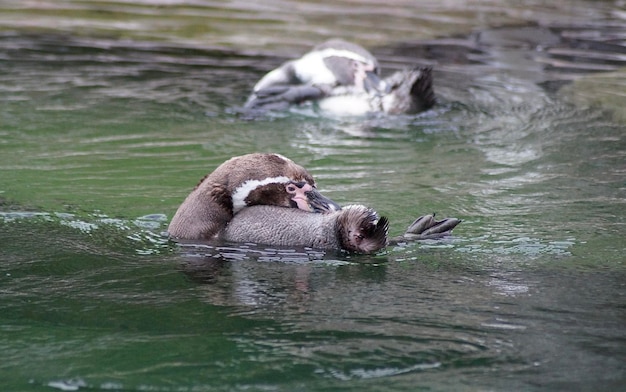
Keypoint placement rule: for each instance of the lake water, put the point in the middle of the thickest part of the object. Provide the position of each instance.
(111, 111)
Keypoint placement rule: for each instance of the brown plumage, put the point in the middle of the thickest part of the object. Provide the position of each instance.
(268, 199)
(247, 180)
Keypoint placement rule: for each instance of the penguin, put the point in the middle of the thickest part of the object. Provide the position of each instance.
(343, 79)
(355, 228)
(243, 181)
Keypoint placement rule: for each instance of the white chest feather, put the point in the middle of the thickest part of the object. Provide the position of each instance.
(346, 105)
(311, 69)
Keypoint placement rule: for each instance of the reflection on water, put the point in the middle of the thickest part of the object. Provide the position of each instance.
(112, 111)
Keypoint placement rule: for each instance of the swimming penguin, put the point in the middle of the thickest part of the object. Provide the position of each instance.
(343, 79)
(243, 181)
(354, 228)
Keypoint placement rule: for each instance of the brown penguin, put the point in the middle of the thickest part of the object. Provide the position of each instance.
(247, 180)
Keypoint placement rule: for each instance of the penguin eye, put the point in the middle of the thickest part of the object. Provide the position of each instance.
(291, 188)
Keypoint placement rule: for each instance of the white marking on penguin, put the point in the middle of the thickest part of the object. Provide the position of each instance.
(330, 52)
(311, 67)
(239, 195)
(284, 158)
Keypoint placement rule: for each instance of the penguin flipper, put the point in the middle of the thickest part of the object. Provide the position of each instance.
(281, 97)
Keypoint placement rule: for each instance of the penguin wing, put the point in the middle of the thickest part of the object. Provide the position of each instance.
(281, 76)
(281, 97)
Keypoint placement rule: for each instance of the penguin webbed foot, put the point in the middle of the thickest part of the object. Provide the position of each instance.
(281, 97)
(427, 227)
(413, 88)
(422, 88)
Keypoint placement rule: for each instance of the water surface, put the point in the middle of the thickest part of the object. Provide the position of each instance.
(110, 112)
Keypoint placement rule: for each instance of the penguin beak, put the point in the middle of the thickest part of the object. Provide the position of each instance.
(320, 203)
(373, 84)
(305, 197)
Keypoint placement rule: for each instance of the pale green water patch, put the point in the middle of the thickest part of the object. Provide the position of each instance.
(602, 90)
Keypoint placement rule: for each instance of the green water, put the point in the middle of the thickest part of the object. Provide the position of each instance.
(110, 112)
